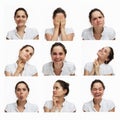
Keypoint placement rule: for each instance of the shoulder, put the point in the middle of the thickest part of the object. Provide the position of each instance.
(89, 64)
(46, 65)
(87, 30)
(48, 103)
(107, 102)
(31, 30)
(10, 107)
(49, 30)
(11, 65)
(109, 29)
(67, 63)
(69, 30)
(12, 31)
(29, 65)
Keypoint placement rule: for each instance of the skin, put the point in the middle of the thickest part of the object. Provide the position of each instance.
(21, 20)
(102, 57)
(97, 21)
(24, 56)
(59, 28)
(58, 56)
(97, 92)
(21, 93)
(58, 98)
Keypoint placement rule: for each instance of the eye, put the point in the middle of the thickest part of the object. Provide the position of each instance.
(18, 89)
(23, 16)
(24, 89)
(54, 53)
(17, 16)
(60, 53)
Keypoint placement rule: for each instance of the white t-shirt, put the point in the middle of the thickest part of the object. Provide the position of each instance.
(105, 69)
(28, 108)
(29, 70)
(51, 31)
(67, 106)
(107, 34)
(30, 33)
(67, 69)
(106, 106)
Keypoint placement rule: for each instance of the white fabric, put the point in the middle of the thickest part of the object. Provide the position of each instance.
(105, 69)
(67, 69)
(30, 33)
(51, 31)
(107, 34)
(67, 106)
(106, 106)
(28, 108)
(29, 70)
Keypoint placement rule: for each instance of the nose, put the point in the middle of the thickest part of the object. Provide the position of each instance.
(57, 56)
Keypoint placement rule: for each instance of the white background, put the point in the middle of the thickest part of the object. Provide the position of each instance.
(79, 52)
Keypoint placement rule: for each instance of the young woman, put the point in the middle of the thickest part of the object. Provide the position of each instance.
(98, 31)
(58, 102)
(100, 65)
(21, 67)
(59, 32)
(58, 65)
(22, 31)
(98, 104)
(21, 105)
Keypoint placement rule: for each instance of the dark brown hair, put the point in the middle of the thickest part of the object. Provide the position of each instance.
(64, 85)
(22, 82)
(93, 10)
(58, 44)
(97, 81)
(59, 10)
(22, 10)
(27, 46)
(111, 55)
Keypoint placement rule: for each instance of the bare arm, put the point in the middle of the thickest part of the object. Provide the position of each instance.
(36, 38)
(112, 110)
(64, 36)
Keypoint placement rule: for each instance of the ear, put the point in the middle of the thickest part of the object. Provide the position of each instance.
(65, 91)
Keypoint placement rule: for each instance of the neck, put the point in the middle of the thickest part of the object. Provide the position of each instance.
(21, 28)
(97, 30)
(21, 103)
(57, 68)
(100, 61)
(60, 101)
(97, 101)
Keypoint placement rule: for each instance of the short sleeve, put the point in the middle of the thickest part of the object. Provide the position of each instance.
(48, 104)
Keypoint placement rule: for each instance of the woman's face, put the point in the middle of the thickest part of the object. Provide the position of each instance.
(59, 17)
(26, 53)
(58, 54)
(97, 91)
(97, 19)
(58, 90)
(104, 53)
(20, 18)
(21, 92)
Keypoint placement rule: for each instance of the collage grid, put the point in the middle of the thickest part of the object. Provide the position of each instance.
(79, 52)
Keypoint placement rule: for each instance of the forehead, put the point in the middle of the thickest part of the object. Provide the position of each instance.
(96, 14)
(21, 85)
(59, 15)
(20, 12)
(57, 84)
(28, 48)
(97, 85)
(107, 48)
(57, 49)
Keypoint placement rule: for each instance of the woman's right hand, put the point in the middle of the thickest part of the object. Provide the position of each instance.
(20, 67)
(57, 23)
